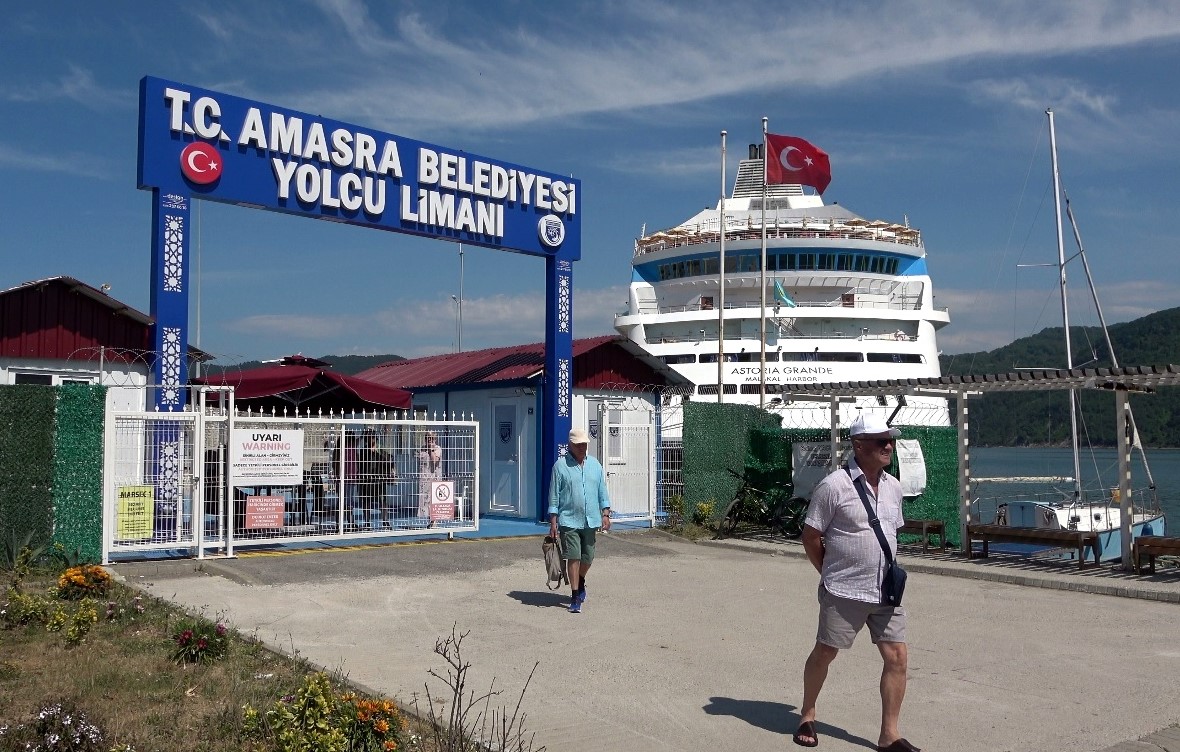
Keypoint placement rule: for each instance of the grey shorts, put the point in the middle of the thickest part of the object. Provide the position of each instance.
(577, 543)
(840, 619)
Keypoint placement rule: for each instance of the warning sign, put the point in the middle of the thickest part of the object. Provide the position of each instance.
(269, 457)
(442, 500)
(264, 512)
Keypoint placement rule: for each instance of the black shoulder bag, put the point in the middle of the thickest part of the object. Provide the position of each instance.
(893, 586)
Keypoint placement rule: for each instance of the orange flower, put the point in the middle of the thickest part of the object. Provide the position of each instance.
(381, 726)
(391, 745)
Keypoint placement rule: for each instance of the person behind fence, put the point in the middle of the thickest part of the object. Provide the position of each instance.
(351, 474)
(374, 471)
(578, 506)
(429, 470)
(842, 546)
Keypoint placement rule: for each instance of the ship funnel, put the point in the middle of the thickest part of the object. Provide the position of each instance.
(753, 151)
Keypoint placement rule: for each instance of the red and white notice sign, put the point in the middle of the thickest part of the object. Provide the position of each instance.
(442, 500)
(264, 512)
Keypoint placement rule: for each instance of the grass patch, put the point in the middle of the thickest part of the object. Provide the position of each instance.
(91, 665)
(129, 677)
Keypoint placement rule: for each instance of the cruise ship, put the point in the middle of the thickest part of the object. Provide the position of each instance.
(847, 299)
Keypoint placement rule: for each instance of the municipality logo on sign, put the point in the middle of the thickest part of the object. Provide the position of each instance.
(552, 230)
(505, 431)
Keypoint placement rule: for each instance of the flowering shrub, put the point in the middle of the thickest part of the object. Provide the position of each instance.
(316, 719)
(703, 513)
(85, 581)
(23, 608)
(59, 727)
(199, 641)
(84, 617)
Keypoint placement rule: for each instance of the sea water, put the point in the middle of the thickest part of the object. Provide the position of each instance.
(1099, 471)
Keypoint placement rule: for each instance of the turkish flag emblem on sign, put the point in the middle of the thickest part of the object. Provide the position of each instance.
(793, 160)
(200, 163)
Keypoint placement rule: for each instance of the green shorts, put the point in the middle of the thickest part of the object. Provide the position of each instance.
(577, 543)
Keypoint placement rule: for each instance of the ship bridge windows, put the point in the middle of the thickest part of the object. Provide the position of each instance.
(747, 263)
(896, 358)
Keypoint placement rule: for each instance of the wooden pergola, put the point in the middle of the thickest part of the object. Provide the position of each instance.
(1121, 381)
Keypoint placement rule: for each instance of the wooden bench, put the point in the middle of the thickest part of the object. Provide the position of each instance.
(1006, 534)
(1149, 546)
(925, 528)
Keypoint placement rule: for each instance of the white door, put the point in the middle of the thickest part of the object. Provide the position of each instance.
(505, 443)
(627, 455)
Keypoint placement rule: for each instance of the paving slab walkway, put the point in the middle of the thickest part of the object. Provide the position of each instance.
(685, 646)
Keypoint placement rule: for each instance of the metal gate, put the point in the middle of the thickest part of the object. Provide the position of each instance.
(213, 479)
(627, 448)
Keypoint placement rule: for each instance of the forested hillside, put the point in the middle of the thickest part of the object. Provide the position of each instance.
(1043, 417)
(346, 364)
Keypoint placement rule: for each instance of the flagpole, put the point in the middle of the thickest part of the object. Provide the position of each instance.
(721, 286)
(762, 279)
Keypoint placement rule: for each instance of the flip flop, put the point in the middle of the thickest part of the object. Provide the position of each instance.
(806, 728)
(901, 745)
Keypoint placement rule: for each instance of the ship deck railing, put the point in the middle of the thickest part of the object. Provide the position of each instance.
(701, 234)
(784, 336)
(908, 304)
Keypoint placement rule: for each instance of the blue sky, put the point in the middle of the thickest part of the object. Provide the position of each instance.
(931, 111)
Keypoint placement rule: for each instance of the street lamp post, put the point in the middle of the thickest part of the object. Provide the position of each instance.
(460, 326)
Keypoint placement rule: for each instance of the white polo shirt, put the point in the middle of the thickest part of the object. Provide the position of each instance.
(853, 560)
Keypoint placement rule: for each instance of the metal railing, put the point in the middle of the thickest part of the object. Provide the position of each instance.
(709, 233)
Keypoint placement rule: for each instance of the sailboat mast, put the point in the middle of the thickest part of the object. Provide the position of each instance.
(1114, 361)
(1073, 418)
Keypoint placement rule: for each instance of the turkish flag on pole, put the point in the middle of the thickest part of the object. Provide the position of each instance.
(793, 160)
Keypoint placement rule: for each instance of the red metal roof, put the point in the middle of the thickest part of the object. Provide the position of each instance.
(59, 317)
(598, 362)
(298, 382)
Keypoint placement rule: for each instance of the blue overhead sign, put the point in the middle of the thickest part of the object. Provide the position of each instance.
(224, 148)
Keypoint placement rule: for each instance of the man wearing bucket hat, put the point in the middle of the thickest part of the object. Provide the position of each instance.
(578, 506)
(841, 544)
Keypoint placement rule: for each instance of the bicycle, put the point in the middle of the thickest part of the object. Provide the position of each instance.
(773, 507)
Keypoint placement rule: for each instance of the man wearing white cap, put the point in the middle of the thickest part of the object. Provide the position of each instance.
(578, 506)
(845, 550)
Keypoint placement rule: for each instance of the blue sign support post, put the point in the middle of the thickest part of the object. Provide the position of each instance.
(556, 411)
(197, 144)
(169, 299)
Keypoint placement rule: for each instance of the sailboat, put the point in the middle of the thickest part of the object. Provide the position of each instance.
(1077, 510)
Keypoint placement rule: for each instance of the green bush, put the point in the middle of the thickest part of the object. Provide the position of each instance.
(702, 513)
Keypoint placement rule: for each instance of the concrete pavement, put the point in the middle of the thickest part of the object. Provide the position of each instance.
(686, 646)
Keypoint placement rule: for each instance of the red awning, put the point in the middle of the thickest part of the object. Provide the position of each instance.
(306, 386)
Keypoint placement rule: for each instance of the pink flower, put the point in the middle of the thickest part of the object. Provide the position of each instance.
(221, 630)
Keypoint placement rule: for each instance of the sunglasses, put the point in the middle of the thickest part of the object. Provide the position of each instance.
(880, 442)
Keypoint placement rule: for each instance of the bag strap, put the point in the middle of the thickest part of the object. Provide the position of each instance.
(874, 523)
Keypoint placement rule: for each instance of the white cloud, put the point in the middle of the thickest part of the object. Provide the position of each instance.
(76, 85)
(485, 72)
(74, 164)
(428, 326)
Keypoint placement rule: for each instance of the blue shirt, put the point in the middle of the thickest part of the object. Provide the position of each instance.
(577, 493)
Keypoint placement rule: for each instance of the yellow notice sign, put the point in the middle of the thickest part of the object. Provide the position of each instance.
(134, 517)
